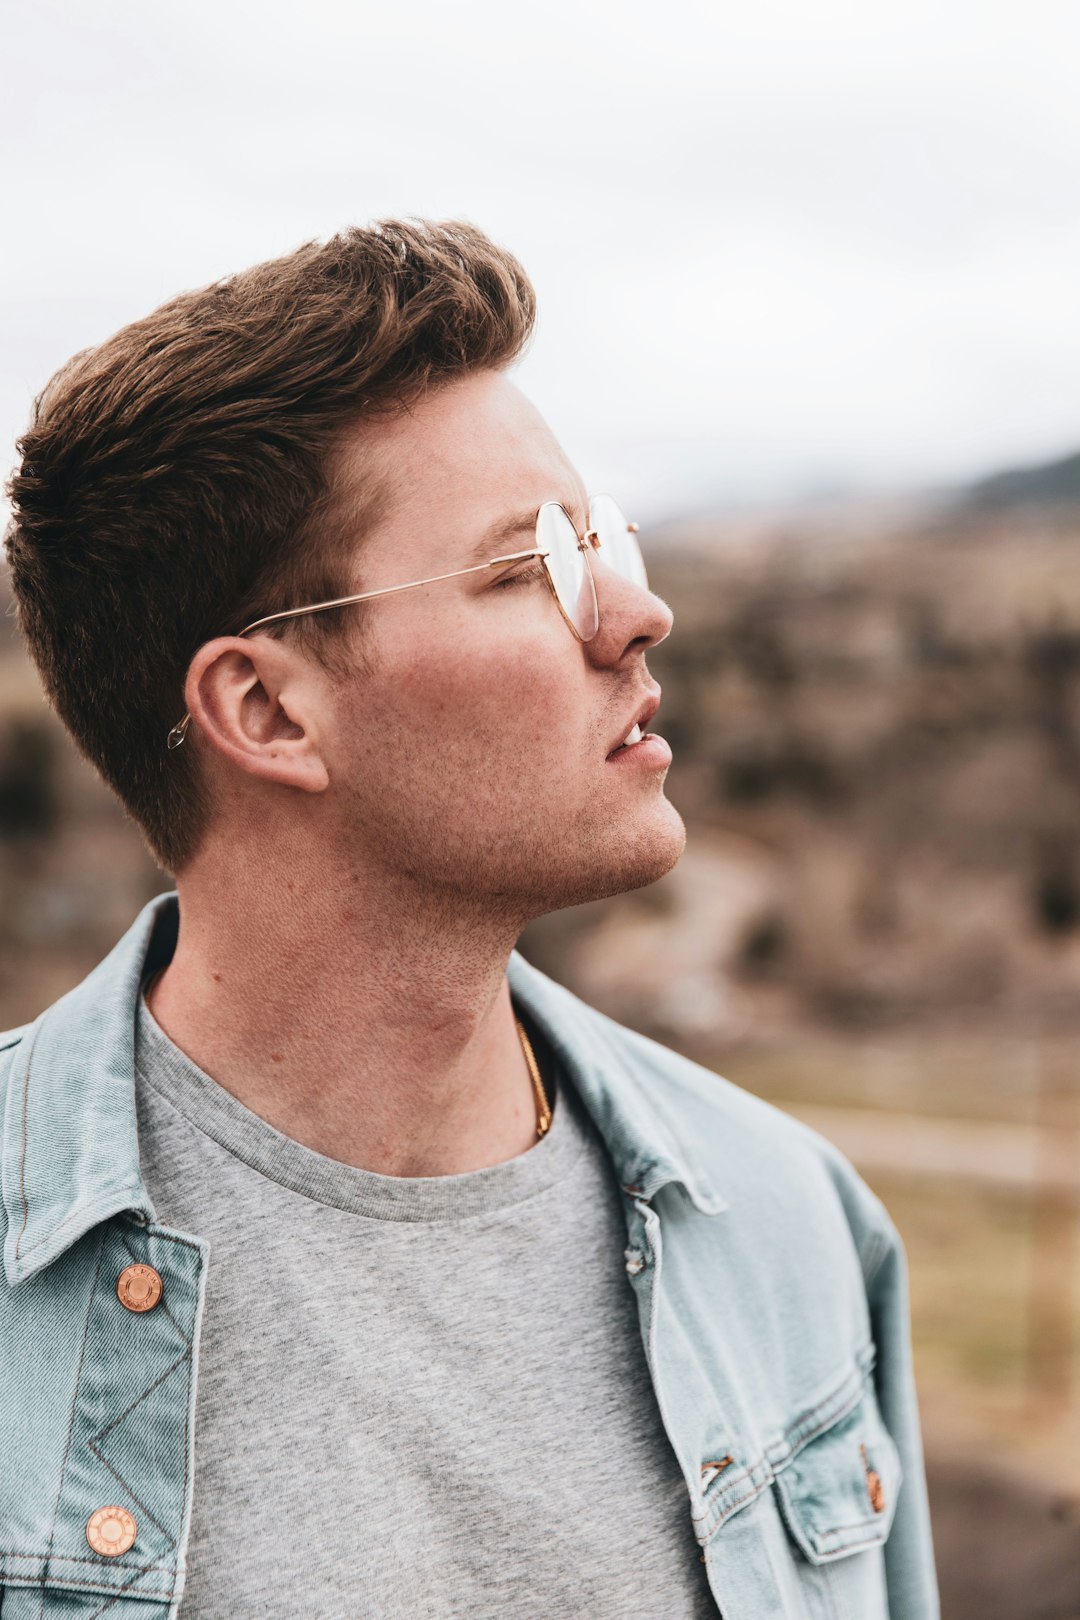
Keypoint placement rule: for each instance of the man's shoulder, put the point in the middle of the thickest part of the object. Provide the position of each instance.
(691, 1093)
(706, 1101)
(741, 1142)
(10, 1041)
(746, 1143)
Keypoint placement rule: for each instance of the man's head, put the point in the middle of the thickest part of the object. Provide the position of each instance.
(332, 422)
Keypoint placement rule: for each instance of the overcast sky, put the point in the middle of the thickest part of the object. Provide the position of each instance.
(779, 248)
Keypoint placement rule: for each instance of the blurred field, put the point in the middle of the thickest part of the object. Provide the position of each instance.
(989, 1211)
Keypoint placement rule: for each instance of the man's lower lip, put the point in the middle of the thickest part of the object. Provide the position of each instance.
(652, 751)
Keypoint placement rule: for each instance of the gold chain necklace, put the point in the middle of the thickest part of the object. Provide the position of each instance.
(543, 1108)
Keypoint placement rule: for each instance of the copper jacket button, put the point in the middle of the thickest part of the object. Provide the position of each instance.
(111, 1530)
(138, 1288)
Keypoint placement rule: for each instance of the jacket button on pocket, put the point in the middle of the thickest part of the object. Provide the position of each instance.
(635, 1262)
(111, 1531)
(138, 1288)
(873, 1485)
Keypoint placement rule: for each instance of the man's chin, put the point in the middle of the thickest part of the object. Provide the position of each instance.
(636, 862)
(653, 858)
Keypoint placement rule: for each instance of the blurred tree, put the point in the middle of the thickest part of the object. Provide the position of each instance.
(29, 797)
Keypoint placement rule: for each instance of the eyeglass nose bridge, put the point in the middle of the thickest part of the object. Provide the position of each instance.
(593, 537)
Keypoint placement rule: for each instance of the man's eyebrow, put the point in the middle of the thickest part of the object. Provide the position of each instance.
(501, 535)
(497, 539)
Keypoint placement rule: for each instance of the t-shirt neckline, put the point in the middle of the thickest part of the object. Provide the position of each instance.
(212, 1110)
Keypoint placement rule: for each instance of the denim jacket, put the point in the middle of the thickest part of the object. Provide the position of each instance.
(770, 1284)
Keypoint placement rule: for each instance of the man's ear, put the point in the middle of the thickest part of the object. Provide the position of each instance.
(254, 700)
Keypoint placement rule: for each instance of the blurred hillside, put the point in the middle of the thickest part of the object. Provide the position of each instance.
(875, 714)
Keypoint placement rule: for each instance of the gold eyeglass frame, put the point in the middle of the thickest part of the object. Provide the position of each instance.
(589, 539)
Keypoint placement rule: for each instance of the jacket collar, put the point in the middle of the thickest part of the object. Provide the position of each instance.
(637, 1112)
(70, 1144)
(71, 1151)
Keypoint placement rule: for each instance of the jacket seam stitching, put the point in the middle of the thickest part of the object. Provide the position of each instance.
(54, 1232)
(794, 1448)
(69, 1582)
(74, 1408)
(724, 1508)
(72, 1558)
(869, 1522)
(845, 1401)
(166, 1233)
(749, 1497)
(25, 1144)
(120, 1591)
(112, 1424)
(139, 1503)
(175, 1237)
(109, 1427)
(851, 1546)
(188, 1442)
(711, 1522)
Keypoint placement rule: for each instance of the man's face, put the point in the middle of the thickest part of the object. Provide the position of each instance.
(474, 751)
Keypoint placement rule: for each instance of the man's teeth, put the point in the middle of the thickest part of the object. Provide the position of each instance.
(633, 736)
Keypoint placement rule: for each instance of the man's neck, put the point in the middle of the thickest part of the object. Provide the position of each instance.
(375, 1028)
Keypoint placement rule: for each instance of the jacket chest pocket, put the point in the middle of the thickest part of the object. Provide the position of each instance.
(837, 1498)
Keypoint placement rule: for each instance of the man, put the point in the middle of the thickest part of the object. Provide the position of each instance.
(497, 1307)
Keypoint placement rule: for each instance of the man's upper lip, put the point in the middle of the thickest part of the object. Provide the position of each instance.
(641, 718)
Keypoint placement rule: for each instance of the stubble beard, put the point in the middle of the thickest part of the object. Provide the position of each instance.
(525, 870)
(542, 876)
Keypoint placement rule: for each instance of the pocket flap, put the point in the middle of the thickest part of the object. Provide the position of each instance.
(838, 1492)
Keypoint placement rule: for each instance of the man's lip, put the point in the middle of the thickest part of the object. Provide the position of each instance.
(641, 718)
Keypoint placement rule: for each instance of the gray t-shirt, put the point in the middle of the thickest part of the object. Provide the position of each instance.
(417, 1396)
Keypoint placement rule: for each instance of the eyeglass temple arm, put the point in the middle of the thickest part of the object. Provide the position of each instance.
(179, 731)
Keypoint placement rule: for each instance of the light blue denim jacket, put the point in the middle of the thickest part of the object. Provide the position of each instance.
(770, 1284)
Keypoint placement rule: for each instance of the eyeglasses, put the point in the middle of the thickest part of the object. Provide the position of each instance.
(562, 553)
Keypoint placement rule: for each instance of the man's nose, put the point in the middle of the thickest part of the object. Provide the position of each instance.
(632, 618)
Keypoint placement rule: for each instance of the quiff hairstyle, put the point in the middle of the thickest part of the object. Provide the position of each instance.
(176, 482)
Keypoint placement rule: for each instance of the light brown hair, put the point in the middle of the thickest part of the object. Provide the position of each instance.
(175, 482)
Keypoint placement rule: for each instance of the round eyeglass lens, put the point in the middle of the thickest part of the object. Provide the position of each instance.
(570, 572)
(618, 543)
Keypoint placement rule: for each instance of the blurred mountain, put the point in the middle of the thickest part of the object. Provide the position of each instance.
(1047, 483)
